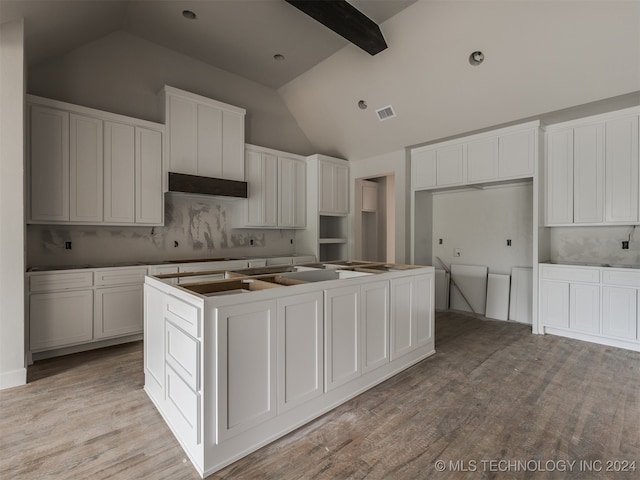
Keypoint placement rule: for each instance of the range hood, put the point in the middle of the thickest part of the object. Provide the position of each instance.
(220, 187)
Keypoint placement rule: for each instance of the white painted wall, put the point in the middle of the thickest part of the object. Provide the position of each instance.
(122, 73)
(391, 163)
(12, 358)
(479, 222)
(203, 227)
(595, 245)
(540, 56)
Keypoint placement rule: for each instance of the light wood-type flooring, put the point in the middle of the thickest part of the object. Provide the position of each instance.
(493, 392)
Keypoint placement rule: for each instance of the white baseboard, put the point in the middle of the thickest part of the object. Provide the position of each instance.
(12, 379)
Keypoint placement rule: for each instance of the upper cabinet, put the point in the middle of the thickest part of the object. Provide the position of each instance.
(591, 168)
(277, 188)
(204, 137)
(91, 167)
(333, 186)
(503, 154)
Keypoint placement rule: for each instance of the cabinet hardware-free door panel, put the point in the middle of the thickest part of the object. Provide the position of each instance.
(119, 172)
(375, 325)
(86, 174)
(559, 177)
(342, 333)
(588, 174)
(118, 311)
(149, 196)
(621, 170)
(619, 312)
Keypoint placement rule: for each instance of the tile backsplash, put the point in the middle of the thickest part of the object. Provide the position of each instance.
(195, 227)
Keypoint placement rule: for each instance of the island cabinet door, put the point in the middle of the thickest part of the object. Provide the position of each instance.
(403, 320)
(300, 349)
(246, 351)
(375, 325)
(342, 335)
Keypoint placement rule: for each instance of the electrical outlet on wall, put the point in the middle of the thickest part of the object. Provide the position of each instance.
(457, 252)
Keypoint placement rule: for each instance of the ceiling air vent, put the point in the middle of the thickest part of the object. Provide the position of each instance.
(386, 113)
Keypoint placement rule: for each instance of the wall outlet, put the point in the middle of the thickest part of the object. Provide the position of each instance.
(508, 242)
(251, 241)
(440, 242)
(625, 245)
(457, 252)
(67, 245)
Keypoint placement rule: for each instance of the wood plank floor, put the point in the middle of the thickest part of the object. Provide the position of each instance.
(493, 391)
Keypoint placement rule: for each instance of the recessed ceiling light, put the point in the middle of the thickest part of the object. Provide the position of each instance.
(278, 57)
(476, 58)
(362, 105)
(189, 14)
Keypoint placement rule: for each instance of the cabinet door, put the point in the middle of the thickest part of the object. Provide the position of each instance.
(555, 304)
(423, 169)
(233, 146)
(209, 141)
(326, 179)
(516, 155)
(369, 192)
(246, 365)
(559, 177)
(424, 308)
(119, 172)
(118, 311)
(403, 321)
(621, 166)
(300, 349)
(149, 195)
(85, 169)
(342, 333)
(450, 165)
(341, 190)
(60, 319)
(588, 174)
(482, 160)
(619, 312)
(292, 190)
(375, 325)
(584, 308)
(182, 133)
(49, 164)
(262, 203)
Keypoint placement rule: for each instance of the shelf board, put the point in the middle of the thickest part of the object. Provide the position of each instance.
(332, 240)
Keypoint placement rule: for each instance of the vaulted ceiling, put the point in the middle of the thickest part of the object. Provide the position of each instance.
(540, 56)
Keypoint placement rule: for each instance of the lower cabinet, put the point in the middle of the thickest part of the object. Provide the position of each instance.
(595, 303)
(375, 325)
(619, 312)
(246, 358)
(59, 319)
(411, 315)
(342, 333)
(118, 311)
(300, 356)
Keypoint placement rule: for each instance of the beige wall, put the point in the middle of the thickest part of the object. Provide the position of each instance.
(12, 359)
(122, 73)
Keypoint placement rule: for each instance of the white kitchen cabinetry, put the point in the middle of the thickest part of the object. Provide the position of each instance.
(204, 137)
(93, 167)
(277, 189)
(559, 177)
(503, 154)
(49, 164)
(85, 169)
(588, 172)
(411, 325)
(621, 175)
(375, 325)
(300, 356)
(76, 310)
(342, 334)
(292, 192)
(247, 347)
(60, 319)
(597, 304)
(194, 267)
(592, 170)
(333, 186)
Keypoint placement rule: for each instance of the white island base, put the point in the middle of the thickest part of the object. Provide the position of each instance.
(234, 364)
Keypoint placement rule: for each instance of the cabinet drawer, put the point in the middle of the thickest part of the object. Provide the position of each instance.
(257, 262)
(304, 259)
(183, 315)
(60, 281)
(626, 278)
(280, 261)
(183, 408)
(183, 355)
(585, 275)
(120, 276)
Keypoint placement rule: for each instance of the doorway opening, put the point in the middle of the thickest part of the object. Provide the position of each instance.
(375, 219)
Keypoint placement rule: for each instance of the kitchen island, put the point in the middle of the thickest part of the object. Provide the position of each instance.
(234, 364)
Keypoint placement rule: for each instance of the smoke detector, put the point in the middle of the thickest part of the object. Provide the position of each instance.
(385, 113)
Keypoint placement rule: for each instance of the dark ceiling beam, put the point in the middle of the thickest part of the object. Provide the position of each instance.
(346, 20)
